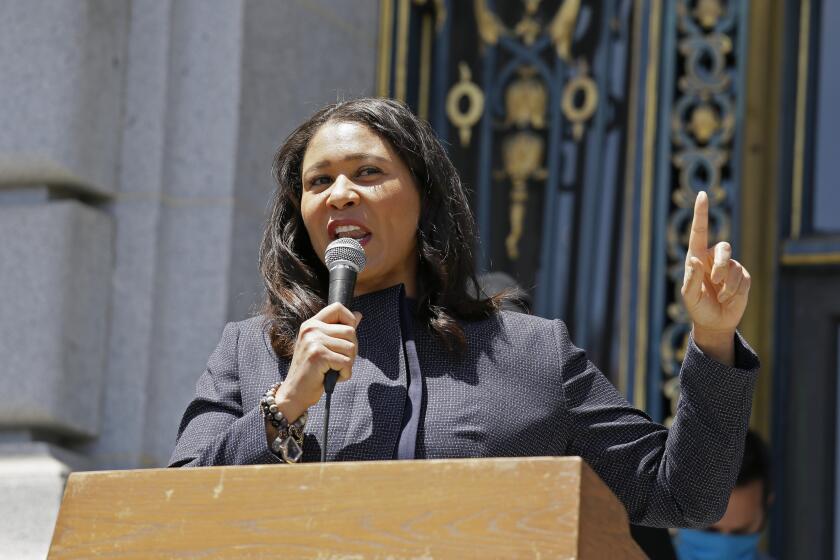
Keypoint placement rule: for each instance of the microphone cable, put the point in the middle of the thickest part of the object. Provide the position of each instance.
(345, 258)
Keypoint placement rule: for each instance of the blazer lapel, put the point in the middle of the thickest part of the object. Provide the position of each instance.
(366, 411)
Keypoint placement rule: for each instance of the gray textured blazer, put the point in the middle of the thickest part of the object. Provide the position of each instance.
(521, 389)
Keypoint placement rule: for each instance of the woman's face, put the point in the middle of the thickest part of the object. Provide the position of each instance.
(355, 185)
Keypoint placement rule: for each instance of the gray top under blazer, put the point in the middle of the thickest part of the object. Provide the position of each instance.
(520, 389)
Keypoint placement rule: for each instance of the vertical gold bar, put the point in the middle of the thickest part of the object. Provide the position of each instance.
(815, 259)
(651, 90)
(425, 67)
(759, 188)
(629, 188)
(401, 71)
(801, 106)
(386, 13)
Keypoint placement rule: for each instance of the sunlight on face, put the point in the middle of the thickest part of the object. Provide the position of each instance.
(356, 185)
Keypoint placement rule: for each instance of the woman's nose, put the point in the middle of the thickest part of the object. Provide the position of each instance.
(342, 193)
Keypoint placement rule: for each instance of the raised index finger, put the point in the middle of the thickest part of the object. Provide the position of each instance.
(698, 240)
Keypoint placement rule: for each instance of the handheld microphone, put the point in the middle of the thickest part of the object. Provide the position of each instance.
(345, 258)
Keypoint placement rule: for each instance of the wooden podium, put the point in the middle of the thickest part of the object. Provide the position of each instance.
(466, 508)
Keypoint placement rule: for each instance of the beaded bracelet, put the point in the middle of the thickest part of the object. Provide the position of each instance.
(289, 442)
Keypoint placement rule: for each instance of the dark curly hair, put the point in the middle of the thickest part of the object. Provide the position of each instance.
(295, 277)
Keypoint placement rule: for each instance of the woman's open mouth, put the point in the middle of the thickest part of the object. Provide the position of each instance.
(350, 230)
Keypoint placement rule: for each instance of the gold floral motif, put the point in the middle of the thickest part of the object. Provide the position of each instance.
(704, 122)
(522, 154)
(531, 6)
(528, 28)
(466, 119)
(526, 100)
(708, 123)
(561, 29)
(708, 12)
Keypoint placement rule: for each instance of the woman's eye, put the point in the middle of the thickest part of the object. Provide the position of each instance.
(319, 181)
(368, 171)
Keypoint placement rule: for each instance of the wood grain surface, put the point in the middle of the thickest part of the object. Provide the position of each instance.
(465, 508)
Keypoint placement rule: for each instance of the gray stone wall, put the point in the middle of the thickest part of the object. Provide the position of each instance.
(136, 140)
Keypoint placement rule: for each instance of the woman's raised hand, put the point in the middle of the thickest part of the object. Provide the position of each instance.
(715, 288)
(325, 342)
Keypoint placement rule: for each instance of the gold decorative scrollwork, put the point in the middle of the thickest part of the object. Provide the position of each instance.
(526, 106)
(702, 129)
(490, 27)
(704, 122)
(526, 100)
(580, 100)
(708, 12)
(562, 28)
(522, 154)
(528, 27)
(465, 88)
(714, 47)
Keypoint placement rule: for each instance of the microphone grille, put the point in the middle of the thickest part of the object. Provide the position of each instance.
(345, 249)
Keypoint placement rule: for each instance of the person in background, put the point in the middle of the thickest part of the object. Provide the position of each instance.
(737, 533)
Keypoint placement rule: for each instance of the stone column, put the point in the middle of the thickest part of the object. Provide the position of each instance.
(136, 141)
(62, 65)
(234, 94)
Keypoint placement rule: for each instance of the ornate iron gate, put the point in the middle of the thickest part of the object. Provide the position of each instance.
(584, 129)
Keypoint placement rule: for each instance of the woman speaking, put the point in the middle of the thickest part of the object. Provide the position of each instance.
(426, 369)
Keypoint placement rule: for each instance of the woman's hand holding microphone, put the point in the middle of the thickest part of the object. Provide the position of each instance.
(325, 342)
